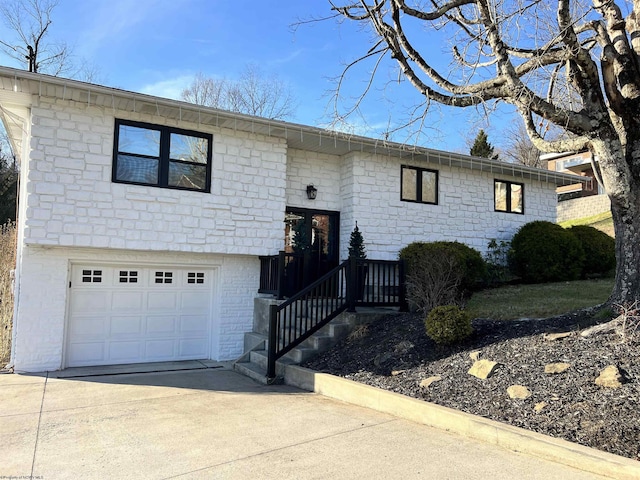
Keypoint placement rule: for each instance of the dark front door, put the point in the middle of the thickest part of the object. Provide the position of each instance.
(312, 234)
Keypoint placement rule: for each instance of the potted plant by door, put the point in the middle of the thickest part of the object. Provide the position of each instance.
(357, 251)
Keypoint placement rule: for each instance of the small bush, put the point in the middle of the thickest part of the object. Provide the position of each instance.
(448, 324)
(467, 260)
(496, 259)
(599, 250)
(545, 252)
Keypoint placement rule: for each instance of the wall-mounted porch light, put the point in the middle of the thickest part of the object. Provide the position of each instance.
(312, 192)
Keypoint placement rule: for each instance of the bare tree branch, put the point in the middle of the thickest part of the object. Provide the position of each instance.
(573, 65)
(253, 93)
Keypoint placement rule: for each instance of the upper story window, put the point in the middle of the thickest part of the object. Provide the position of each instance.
(419, 185)
(160, 156)
(508, 196)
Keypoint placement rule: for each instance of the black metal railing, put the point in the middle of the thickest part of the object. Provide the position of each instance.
(284, 274)
(354, 282)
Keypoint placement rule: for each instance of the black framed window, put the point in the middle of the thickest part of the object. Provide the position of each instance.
(419, 185)
(508, 196)
(160, 156)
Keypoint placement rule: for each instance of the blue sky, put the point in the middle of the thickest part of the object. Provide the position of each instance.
(157, 46)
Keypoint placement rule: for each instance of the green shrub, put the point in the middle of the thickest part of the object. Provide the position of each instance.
(448, 324)
(599, 250)
(545, 252)
(440, 273)
(496, 260)
(467, 260)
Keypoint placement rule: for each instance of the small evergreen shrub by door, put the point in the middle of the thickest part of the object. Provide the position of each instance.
(358, 251)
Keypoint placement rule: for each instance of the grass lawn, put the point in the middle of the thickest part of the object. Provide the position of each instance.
(602, 221)
(539, 301)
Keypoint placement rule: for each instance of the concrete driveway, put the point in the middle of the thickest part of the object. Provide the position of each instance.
(214, 423)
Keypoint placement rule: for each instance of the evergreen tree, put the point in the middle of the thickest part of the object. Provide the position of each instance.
(482, 148)
(8, 186)
(356, 244)
(300, 237)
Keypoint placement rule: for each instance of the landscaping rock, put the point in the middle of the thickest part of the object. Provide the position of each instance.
(475, 355)
(397, 372)
(426, 383)
(540, 406)
(522, 352)
(556, 367)
(483, 369)
(518, 392)
(550, 337)
(610, 377)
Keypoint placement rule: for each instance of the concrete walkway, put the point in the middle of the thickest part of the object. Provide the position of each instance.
(214, 423)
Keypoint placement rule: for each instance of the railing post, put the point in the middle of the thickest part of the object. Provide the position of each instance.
(272, 342)
(352, 280)
(306, 266)
(402, 278)
(280, 276)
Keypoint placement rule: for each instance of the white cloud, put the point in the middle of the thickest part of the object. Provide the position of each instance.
(169, 88)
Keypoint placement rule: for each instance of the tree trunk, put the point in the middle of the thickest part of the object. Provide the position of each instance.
(623, 187)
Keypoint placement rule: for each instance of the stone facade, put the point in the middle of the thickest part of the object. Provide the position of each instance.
(366, 188)
(72, 213)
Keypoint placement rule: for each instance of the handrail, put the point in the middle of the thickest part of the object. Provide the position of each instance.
(353, 282)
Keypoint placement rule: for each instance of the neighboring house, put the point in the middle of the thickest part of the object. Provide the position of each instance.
(578, 163)
(582, 199)
(141, 219)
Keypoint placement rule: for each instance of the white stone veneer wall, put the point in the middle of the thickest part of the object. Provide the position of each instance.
(43, 300)
(465, 209)
(366, 189)
(71, 203)
(71, 200)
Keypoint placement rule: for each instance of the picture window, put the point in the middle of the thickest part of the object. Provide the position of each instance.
(419, 185)
(508, 197)
(160, 156)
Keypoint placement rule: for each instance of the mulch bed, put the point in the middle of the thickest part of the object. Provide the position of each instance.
(395, 354)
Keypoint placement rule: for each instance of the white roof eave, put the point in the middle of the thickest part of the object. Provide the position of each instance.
(20, 87)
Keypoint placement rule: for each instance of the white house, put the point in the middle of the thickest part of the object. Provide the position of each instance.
(141, 219)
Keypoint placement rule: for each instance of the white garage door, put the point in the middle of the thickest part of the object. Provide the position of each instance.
(138, 314)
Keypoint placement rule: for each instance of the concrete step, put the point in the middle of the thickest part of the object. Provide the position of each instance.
(257, 373)
(254, 362)
(259, 358)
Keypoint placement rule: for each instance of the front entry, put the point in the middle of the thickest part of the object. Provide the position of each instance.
(314, 235)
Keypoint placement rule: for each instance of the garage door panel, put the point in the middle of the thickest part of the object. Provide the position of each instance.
(126, 325)
(189, 346)
(90, 326)
(91, 352)
(193, 324)
(162, 301)
(158, 350)
(127, 301)
(91, 301)
(194, 301)
(135, 314)
(161, 325)
(122, 351)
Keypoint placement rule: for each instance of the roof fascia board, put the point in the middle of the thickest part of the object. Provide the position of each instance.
(31, 84)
